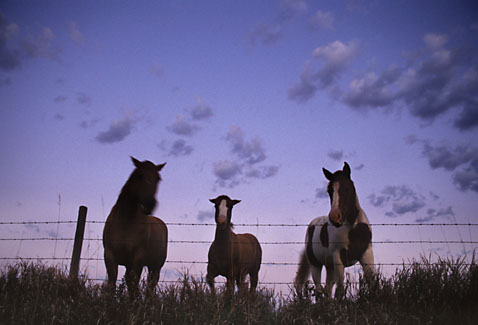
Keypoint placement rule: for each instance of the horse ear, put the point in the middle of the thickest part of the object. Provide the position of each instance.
(327, 174)
(213, 201)
(135, 161)
(159, 167)
(346, 169)
(234, 202)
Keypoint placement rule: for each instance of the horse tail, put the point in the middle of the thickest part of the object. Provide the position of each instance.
(302, 273)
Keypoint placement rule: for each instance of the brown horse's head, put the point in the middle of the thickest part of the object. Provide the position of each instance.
(143, 184)
(342, 194)
(223, 206)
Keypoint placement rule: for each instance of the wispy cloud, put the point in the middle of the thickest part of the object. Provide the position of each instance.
(322, 20)
(205, 215)
(75, 34)
(9, 58)
(176, 149)
(401, 198)
(201, 112)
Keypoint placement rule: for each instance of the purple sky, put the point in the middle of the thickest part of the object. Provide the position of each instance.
(245, 98)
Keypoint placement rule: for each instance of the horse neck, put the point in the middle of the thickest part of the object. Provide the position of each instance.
(126, 205)
(225, 234)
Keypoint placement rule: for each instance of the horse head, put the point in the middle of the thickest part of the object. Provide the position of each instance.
(343, 203)
(223, 205)
(144, 183)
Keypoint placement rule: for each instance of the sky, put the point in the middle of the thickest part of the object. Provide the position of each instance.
(245, 98)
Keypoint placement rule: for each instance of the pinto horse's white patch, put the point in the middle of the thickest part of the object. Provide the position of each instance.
(223, 211)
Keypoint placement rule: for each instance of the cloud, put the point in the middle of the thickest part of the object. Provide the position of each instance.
(291, 8)
(433, 82)
(336, 154)
(433, 214)
(265, 34)
(9, 59)
(402, 199)
(332, 59)
(59, 99)
(75, 33)
(205, 215)
(201, 112)
(117, 131)
(461, 160)
(178, 148)
(227, 173)
(41, 45)
(83, 99)
(251, 151)
(183, 127)
(322, 20)
(248, 156)
(157, 69)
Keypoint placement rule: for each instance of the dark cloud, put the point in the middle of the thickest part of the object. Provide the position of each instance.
(205, 215)
(117, 131)
(432, 83)
(433, 214)
(248, 156)
(183, 127)
(59, 117)
(251, 151)
(177, 148)
(201, 112)
(332, 59)
(402, 200)
(227, 173)
(461, 160)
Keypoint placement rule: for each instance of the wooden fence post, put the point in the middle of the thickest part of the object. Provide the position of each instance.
(80, 231)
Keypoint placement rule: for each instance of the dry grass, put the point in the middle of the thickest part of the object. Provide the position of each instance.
(444, 292)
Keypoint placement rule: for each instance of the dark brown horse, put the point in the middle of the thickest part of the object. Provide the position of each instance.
(131, 236)
(230, 255)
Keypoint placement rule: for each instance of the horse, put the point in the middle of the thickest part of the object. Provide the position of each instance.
(232, 255)
(338, 240)
(131, 236)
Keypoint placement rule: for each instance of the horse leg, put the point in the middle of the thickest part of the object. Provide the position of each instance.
(316, 276)
(132, 277)
(111, 268)
(330, 279)
(153, 277)
(254, 278)
(367, 262)
(210, 276)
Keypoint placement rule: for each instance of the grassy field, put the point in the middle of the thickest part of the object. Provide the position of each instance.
(439, 293)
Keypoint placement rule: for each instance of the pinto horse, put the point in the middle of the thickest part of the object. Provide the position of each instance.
(230, 255)
(338, 240)
(131, 236)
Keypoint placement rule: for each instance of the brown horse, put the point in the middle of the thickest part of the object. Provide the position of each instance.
(230, 255)
(131, 236)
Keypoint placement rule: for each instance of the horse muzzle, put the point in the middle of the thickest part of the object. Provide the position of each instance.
(148, 206)
(336, 219)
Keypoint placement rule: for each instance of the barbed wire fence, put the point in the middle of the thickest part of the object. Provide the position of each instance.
(197, 262)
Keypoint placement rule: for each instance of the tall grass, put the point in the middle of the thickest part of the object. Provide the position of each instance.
(422, 292)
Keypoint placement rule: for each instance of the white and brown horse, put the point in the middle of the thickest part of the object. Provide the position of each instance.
(339, 240)
(132, 237)
(232, 255)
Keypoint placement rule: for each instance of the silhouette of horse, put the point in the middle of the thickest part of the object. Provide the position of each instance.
(230, 255)
(131, 236)
(339, 240)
